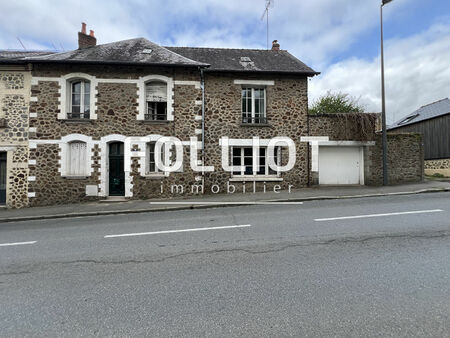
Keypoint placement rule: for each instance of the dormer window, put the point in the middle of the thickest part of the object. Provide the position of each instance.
(156, 101)
(80, 99)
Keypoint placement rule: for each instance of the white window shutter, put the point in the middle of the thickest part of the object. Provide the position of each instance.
(77, 159)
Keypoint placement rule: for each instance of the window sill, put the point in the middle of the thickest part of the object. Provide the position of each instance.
(155, 121)
(154, 176)
(75, 177)
(255, 179)
(78, 120)
(256, 125)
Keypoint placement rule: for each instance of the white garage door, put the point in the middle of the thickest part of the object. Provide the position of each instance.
(340, 165)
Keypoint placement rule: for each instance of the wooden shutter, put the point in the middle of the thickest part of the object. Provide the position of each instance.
(77, 159)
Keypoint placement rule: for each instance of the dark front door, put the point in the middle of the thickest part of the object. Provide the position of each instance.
(116, 170)
(2, 177)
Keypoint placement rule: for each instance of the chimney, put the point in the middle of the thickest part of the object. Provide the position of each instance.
(275, 45)
(84, 40)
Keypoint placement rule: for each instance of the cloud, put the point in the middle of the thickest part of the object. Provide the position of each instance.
(417, 72)
(313, 30)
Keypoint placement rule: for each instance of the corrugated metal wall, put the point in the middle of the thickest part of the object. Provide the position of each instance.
(436, 136)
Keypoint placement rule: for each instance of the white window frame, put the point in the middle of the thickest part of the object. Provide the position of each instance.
(142, 103)
(156, 172)
(82, 96)
(65, 92)
(266, 169)
(155, 102)
(253, 112)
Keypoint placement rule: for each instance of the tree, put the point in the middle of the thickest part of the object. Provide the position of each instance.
(336, 103)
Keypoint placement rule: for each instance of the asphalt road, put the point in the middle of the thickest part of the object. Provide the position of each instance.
(357, 267)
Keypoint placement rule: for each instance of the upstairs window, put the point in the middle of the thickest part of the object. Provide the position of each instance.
(253, 105)
(156, 101)
(80, 100)
(243, 156)
(76, 159)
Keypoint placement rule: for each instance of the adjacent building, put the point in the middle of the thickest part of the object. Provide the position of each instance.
(433, 122)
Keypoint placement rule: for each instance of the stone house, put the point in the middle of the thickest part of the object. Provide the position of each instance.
(95, 115)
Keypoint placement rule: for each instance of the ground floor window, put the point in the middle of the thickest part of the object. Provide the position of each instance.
(151, 159)
(243, 156)
(77, 157)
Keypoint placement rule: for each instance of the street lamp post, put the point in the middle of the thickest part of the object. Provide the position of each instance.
(383, 103)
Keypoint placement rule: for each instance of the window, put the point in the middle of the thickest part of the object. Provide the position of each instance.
(254, 105)
(80, 99)
(243, 156)
(77, 159)
(151, 160)
(156, 101)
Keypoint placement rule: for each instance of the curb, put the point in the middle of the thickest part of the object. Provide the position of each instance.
(205, 206)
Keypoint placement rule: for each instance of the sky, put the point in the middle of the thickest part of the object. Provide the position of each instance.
(339, 38)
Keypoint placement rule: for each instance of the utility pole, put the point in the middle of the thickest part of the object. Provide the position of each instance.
(383, 101)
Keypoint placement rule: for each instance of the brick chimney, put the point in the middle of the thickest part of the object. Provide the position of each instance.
(275, 45)
(84, 40)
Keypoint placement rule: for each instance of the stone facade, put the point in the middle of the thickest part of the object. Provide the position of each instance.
(117, 109)
(441, 166)
(287, 103)
(14, 103)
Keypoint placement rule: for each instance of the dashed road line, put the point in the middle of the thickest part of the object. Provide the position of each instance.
(379, 215)
(179, 230)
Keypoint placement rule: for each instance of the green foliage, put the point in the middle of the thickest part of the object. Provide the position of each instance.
(336, 103)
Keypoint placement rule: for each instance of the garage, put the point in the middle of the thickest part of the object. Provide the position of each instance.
(340, 165)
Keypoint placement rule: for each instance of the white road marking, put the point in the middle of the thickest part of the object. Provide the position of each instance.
(222, 203)
(379, 215)
(181, 230)
(18, 243)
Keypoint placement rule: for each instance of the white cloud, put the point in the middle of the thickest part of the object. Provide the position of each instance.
(417, 72)
(313, 30)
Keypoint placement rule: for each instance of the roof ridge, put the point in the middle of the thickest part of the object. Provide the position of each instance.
(434, 102)
(228, 48)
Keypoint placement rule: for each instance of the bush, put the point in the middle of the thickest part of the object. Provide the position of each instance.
(336, 103)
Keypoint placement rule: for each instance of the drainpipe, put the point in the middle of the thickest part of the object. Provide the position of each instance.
(202, 86)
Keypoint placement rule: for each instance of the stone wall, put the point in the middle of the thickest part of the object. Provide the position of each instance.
(14, 104)
(441, 167)
(355, 127)
(405, 159)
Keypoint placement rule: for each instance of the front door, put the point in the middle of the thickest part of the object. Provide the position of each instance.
(2, 177)
(116, 170)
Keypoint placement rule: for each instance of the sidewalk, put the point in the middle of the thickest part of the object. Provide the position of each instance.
(214, 201)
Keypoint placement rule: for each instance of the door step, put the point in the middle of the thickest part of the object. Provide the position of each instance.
(114, 199)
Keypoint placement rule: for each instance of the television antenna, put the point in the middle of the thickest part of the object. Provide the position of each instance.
(269, 4)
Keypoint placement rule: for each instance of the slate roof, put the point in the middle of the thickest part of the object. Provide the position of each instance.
(238, 60)
(133, 51)
(144, 52)
(17, 55)
(429, 111)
